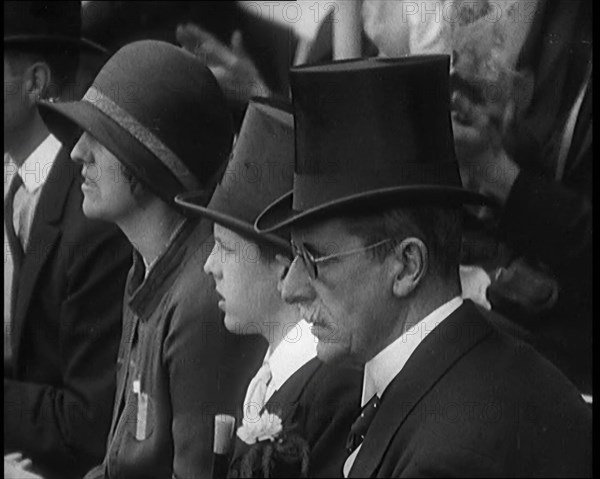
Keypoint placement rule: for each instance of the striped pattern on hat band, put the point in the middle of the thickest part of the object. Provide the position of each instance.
(144, 136)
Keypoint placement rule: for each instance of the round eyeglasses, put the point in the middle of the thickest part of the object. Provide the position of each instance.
(311, 262)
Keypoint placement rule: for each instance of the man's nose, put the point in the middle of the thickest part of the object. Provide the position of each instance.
(296, 286)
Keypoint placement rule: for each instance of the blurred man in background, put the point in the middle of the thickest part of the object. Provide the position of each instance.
(65, 289)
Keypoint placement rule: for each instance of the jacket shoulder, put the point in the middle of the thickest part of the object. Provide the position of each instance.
(493, 404)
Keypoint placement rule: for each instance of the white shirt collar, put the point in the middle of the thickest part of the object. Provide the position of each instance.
(385, 366)
(297, 348)
(35, 169)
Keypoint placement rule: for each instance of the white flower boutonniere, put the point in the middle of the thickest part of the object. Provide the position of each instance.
(272, 451)
(268, 427)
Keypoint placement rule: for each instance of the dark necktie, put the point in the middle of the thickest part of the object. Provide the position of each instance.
(12, 263)
(9, 199)
(359, 428)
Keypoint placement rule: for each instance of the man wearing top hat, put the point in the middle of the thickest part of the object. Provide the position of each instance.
(177, 366)
(316, 403)
(66, 273)
(445, 393)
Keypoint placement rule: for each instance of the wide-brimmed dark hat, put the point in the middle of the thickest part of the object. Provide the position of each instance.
(160, 111)
(46, 24)
(260, 170)
(369, 135)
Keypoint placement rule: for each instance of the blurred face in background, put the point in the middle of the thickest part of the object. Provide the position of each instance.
(19, 108)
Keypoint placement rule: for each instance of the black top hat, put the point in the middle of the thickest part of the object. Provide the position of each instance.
(370, 134)
(260, 170)
(47, 24)
(160, 111)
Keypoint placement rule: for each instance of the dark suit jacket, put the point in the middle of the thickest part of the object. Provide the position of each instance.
(471, 401)
(321, 401)
(59, 389)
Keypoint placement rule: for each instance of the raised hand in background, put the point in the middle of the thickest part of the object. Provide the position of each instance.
(233, 68)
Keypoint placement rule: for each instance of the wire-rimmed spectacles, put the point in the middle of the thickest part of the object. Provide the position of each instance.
(311, 262)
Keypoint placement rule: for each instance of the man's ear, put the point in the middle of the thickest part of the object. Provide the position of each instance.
(410, 263)
(37, 79)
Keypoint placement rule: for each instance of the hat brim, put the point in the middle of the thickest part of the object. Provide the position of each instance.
(82, 43)
(281, 214)
(194, 202)
(66, 121)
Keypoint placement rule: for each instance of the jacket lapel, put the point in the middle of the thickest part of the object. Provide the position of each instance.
(122, 373)
(283, 402)
(44, 235)
(445, 345)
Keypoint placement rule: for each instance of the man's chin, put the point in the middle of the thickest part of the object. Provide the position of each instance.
(330, 352)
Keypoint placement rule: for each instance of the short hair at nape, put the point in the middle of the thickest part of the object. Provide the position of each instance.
(440, 229)
(63, 62)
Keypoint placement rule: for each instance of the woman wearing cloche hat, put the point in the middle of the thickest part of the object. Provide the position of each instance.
(155, 124)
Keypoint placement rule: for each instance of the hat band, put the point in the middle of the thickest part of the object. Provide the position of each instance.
(144, 136)
(312, 190)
